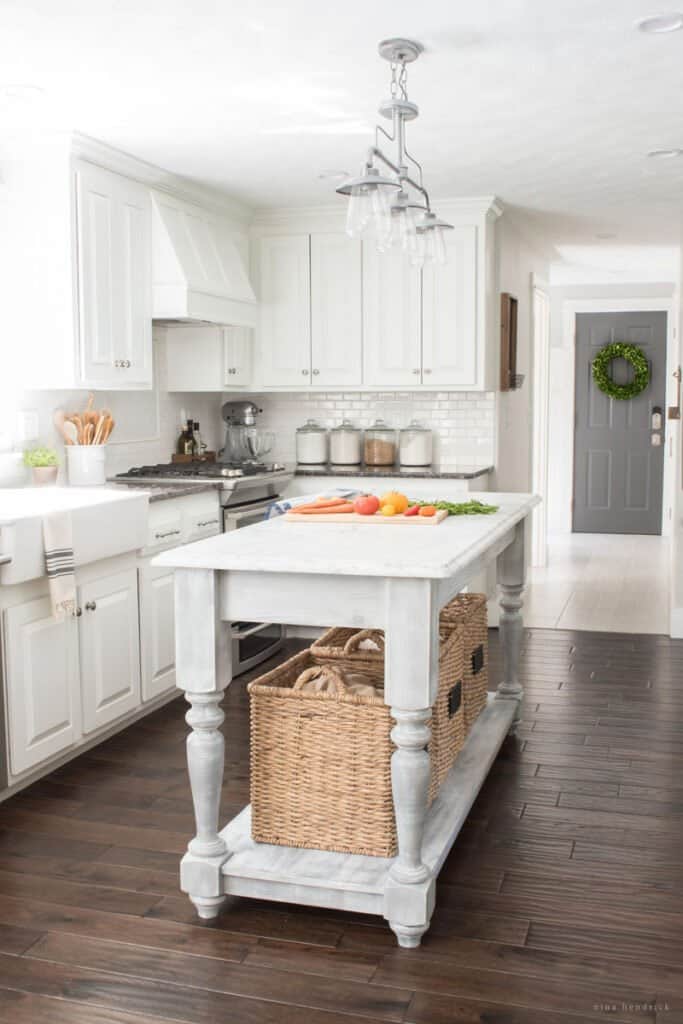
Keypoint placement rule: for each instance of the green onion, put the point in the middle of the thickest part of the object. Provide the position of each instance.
(473, 507)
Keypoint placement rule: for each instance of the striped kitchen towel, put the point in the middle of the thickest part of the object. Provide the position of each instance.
(59, 563)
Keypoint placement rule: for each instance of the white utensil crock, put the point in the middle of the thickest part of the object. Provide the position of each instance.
(86, 464)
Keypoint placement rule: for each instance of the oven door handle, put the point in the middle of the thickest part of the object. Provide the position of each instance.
(247, 511)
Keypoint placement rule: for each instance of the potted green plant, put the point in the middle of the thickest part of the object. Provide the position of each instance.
(43, 463)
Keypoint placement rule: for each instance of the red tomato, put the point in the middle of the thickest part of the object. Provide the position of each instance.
(366, 505)
(412, 511)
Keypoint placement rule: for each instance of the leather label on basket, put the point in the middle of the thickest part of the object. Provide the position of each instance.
(477, 659)
(454, 699)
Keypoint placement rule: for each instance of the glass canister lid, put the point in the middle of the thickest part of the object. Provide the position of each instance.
(311, 427)
(414, 426)
(380, 427)
(346, 426)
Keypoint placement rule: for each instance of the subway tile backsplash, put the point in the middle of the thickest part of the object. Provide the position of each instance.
(463, 422)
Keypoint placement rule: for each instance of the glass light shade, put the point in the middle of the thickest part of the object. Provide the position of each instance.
(439, 246)
(359, 211)
(381, 215)
(417, 252)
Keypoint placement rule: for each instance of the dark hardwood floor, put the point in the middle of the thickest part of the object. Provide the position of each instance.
(560, 903)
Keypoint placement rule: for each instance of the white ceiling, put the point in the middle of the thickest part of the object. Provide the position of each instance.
(549, 104)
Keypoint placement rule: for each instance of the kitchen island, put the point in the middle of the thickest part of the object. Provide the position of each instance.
(382, 576)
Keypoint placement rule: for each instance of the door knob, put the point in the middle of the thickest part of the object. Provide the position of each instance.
(90, 606)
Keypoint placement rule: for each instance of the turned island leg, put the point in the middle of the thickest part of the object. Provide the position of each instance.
(411, 663)
(203, 668)
(511, 576)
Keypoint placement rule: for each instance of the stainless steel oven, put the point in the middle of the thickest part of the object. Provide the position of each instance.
(252, 642)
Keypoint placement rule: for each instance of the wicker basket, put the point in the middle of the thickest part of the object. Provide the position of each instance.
(320, 766)
(468, 611)
(448, 716)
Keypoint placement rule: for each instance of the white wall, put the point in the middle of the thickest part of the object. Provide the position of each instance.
(463, 423)
(147, 422)
(561, 428)
(518, 260)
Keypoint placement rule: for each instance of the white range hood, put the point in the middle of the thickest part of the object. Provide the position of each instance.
(198, 273)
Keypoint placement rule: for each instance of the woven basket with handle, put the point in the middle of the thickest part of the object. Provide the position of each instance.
(321, 762)
(468, 612)
(448, 717)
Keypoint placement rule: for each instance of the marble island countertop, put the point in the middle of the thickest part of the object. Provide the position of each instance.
(355, 549)
(413, 472)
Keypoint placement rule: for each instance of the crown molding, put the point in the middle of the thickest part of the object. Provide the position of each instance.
(84, 147)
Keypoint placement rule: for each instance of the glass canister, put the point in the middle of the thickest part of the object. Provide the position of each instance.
(380, 445)
(345, 446)
(415, 445)
(311, 444)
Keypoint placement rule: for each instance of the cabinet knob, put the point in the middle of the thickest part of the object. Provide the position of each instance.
(426, 371)
(90, 606)
(316, 372)
(79, 612)
(126, 363)
(117, 363)
(305, 373)
(416, 372)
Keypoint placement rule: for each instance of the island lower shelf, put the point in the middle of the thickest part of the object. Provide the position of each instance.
(354, 882)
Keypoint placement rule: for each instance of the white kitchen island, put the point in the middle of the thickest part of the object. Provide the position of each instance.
(392, 577)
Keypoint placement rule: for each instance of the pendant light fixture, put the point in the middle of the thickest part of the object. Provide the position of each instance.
(393, 208)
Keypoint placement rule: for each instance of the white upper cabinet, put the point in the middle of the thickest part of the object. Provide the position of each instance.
(284, 323)
(451, 343)
(203, 358)
(113, 217)
(336, 317)
(391, 320)
(238, 347)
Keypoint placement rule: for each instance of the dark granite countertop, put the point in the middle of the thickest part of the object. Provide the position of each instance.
(161, 492)
(409, 472)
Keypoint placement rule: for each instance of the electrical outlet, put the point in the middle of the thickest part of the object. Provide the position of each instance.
(28, 425)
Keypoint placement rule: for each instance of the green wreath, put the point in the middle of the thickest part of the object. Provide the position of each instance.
(602, 365)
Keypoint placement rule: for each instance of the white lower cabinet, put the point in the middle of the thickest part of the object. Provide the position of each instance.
(109, 648)
(157, 634)
(42, 684)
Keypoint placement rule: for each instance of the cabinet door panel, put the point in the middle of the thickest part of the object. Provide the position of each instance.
(284, 332)
(157, 632)
(109, 648)
(114, 279)
(41, 661)
(391, 319)
(449, 342)
(238, 349)
(336, 353)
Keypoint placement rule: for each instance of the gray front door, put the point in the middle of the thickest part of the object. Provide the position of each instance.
(618, 470)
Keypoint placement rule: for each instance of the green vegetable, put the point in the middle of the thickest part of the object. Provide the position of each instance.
(40, 457)
(473, 507)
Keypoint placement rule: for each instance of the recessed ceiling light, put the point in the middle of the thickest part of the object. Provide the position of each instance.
(665, 154)
(21, 92)
(656, 24)
(334, 175)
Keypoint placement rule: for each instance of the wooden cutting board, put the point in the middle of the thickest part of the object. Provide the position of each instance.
(353, 517)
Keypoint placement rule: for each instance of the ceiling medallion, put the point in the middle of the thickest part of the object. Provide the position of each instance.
(392, 207)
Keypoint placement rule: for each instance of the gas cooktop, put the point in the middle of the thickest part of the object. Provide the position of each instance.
(177, 471)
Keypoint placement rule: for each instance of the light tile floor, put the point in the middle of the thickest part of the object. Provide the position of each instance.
(604, 582)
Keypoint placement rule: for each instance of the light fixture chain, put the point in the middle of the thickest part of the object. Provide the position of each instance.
(403, 81)
(394, 79)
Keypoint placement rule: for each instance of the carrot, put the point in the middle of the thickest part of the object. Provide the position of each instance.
(346, 507)
(321, 503)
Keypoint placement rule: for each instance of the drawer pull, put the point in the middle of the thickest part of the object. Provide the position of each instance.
(168, 533)
(208, 522)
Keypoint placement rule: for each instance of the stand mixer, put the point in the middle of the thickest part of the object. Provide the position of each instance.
(245, 443)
